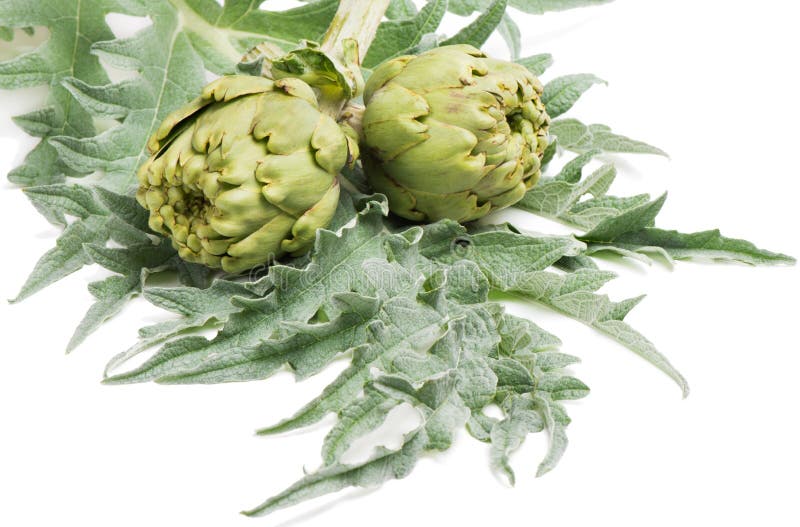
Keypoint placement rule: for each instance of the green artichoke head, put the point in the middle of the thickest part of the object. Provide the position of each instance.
(451, 133)
(245, 173)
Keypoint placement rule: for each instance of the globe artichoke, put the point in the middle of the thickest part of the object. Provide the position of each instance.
(245, 173)
(451, 133)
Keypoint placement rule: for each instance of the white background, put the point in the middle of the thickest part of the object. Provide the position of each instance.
(716, 85)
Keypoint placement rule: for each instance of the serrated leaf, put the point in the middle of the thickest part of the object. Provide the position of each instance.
(525, 412)
(410, 303)
(124, 207)
(297, 296)
(364, 415)
(67, 256)
(198, 307)
(37, 123)
(133, 264)
(73, 26)
(601, 313)
(404, 327)
(589, 213)
(308, 349)
(495, 250)
(170, 72)
(631, 220)
(94, 226)
(571, 294)
(559, 197)
(111, 294)
(706, 244)
(442, 413)
(383, 465)
(71, 200)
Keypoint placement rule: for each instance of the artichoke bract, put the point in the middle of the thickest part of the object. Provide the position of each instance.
(451, 133)
(245, 173)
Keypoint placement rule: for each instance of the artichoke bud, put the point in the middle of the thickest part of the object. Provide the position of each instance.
(245, 173)
(451, 133)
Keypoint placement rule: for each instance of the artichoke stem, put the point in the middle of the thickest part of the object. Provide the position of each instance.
(355, 19)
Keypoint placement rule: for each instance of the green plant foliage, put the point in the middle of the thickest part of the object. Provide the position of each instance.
(408, 305)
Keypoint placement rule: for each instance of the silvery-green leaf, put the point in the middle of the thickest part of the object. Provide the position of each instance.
(537, 64)
(355, 420)
(509, 30)
(479, 31)
(507, 435)
(679, 246)
(297, 296)
(574, 135)
(562, 93)
(395, 36)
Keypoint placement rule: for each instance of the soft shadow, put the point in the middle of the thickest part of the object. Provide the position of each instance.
(627, 263)
(316, 512)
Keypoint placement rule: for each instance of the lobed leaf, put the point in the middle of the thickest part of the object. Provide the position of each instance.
(67, 256)
(297, 296)
(629, 220)
(198, 308)
(73, 25)
(571, 294)
(679, 246)
(362, 416)
(383, 465)
(133, 264)
(307, 350)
